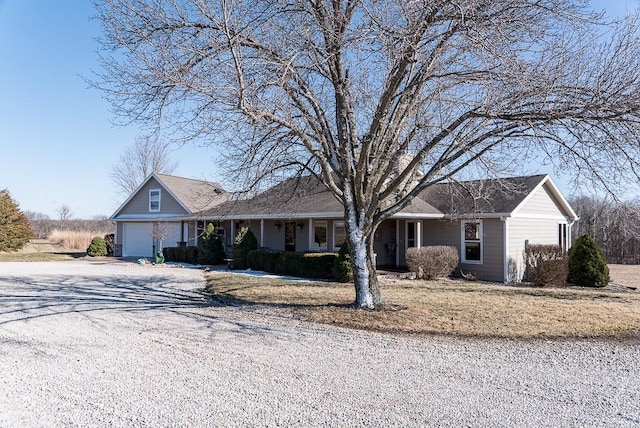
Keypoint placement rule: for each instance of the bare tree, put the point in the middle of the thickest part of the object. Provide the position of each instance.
(344, 89)
(64, 213)
(615, 226)
(147, 155)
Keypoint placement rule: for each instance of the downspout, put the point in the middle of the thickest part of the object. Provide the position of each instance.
(569, 234)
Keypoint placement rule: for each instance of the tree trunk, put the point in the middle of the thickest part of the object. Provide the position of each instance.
(364, 271)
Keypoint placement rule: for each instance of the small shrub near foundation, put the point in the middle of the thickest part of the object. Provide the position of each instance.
(432, 262)
(546, 265)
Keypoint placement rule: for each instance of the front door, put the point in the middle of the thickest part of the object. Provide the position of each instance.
(290, 236)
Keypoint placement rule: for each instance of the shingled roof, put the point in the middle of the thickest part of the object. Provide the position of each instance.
(491, 196)
(298, 197)
(308, 197)
(195, 195)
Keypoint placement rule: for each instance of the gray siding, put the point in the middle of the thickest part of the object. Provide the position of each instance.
(385, 237)
(448, 232)
(139, 204)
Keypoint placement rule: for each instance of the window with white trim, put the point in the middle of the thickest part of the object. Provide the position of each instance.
(339, 235)
(562, 236)
(154, 200)
(472, 241)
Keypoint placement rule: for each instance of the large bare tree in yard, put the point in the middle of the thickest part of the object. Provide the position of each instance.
(148, 154)
(380, 99)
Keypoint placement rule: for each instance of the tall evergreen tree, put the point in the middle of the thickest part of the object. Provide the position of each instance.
(15, 230)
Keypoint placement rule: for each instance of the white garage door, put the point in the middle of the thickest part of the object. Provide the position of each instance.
(138, 240)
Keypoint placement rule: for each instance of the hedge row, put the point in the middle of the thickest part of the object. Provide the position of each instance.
(181, 254)
(305, 265)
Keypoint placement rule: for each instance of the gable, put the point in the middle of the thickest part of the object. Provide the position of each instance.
(138, 204)
(542, 203)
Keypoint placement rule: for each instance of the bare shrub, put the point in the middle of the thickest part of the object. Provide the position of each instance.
(432, 262)
(73, 240)
(546, 265)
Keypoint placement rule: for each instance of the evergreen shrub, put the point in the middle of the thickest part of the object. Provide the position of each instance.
(342, 268)
(304, 265)
(245, 241)
(181, 254)
(15, 229)
(210, 247)
(587, 266)
(109, 239)
(97, 248)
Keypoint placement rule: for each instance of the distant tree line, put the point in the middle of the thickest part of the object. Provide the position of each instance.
(614, 226)
(42, 225)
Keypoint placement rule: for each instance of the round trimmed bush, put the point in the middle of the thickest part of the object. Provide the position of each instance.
(98, 247)
(587, 266)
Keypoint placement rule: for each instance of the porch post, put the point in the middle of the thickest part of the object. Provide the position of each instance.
(311, 236)
(261, 232)
(397, 242)
(419, 233)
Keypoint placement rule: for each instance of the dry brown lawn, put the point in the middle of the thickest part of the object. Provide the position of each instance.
(625, 274)
(41, 250)
(447, 307)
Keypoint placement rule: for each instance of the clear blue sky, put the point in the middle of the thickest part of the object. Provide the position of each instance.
(57, 143)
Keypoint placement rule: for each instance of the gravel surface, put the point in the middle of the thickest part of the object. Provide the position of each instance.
(85, 344)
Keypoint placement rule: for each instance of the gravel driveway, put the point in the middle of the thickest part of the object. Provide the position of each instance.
(85, 344)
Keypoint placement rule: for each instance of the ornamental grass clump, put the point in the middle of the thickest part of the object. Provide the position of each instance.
(432, 262)
(587, 266)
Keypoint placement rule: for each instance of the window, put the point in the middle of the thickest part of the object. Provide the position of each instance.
(472, 241)
(154, 200)
(562, 236)
(411, 234)
(339, 234)
(320, 235)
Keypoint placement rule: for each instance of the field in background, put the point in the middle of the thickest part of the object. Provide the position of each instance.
(628, 275)
(59, 245)
(74, 240)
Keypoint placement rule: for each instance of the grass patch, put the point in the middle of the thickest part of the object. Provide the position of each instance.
(446, 307)
(40, 250)
(38, 257)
